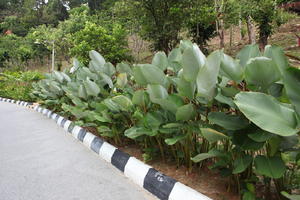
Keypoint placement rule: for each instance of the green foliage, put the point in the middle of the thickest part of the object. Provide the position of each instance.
(110, 43)
(17, 85)
(192, 108)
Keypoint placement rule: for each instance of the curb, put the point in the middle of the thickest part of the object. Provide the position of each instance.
(160, 185)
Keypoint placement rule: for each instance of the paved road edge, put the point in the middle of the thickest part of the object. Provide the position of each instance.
(160, 185)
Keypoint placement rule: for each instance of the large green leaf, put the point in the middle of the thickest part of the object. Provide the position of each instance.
(231, 68)
(104, 79)
(203, 156)
(135, 132)
(153, 120)
(92, 89)
(172, 103)
(123, 102)
(175, 55)
(276, 53)
(267, 113)
(82, 92)
(208, 74)
(290, 196)
(185, 112)
(272, 167)
(110, 104)
(260, 135)
(193, 59)
(124, 68)
(109, 69)
(149, 74)
(292, 84)
(140, 98)
(122, 80)
(262, 72)
(229, 122)
(175, 139)
(97, 58)
(212, 135)
(156, 93)
(160, 60)
(249, 51)
(185, 88)
(240, 164)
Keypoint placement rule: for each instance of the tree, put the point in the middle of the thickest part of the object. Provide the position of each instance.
(267, 15)
(160, 20)
(112, 44)
(201, 23)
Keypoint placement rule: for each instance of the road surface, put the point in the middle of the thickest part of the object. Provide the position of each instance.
(40, 161)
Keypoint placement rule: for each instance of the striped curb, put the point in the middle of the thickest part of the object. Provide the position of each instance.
(160, 185)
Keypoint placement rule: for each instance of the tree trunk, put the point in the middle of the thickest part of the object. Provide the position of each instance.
(241, 29)
(222, 34)
(251, 32)
(231, 37)
(263, 40)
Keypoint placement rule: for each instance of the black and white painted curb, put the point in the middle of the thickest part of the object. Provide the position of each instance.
(160, 185)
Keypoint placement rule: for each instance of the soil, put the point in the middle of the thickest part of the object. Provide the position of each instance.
(283, 36)
(205, 181)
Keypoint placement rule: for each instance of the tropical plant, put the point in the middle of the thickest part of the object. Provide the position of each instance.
(238, 116)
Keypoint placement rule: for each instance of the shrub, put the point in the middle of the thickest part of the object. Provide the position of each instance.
(237, 116)
(110, 43)
(18, 85)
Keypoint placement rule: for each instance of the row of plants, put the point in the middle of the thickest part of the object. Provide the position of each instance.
(237, 116)
(18, 85)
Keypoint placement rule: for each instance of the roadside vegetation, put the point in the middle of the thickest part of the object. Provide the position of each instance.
(189, 83)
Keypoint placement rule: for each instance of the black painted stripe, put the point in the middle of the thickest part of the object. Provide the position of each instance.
(96, 144)
(63, 122)
(49, 114)
(81, 134)
(120, 159)
(56, 118)
(71, 127)
(159, 184)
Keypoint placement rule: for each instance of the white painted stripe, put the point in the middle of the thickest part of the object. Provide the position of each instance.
(75, 131)
(53, 116)
(59, 120)
(67, 124)
(26, 104)
(45, 111)
(106, 151)
(136, 170)
(181, 191)
(88, 138)
(49, 113)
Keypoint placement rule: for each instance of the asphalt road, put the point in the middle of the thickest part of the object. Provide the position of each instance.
(40, 161)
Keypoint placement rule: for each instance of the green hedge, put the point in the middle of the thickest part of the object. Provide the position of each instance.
(18, 85)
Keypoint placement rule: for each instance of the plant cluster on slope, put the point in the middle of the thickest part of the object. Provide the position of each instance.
(18, 85)
(237, 116)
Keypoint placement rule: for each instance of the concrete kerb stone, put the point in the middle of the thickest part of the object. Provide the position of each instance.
(160, 185)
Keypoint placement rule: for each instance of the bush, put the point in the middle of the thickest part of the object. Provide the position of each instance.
(110, 43)
(239, 116)
(18, 85)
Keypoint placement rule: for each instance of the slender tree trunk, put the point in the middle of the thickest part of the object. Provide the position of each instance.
(241, 28)
(263, 40)
(231, 37)
(222, 34)
(251, 32)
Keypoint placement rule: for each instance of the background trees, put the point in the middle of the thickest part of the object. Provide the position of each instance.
(158, 23)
